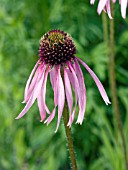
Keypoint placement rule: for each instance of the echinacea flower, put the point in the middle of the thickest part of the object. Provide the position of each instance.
(105, 5)
(57, 58)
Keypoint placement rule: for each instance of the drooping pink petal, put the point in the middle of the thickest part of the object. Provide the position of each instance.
(52, 75)
(45, 82)
(71, 118)
(41, 97)
(51, 117)
(34, 94)
(31, 88)
(97, 81)
(74, 82)
(124, 4)
(39, 81)
(108, 9)
(26, 108)
(68, 91)
(82, 93)
(56, 81)
(92, 1)
(101, 6)
(27, 92)
(61, 98)
(40, 102)
(47, 109)
(30, 77)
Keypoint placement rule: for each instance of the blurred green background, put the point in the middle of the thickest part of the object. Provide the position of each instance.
(27, 144)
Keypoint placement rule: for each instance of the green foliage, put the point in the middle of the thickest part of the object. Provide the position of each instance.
(27, 144)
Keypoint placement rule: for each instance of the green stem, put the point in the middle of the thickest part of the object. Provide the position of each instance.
(69, 133)
(115, 105)
(111, 72)
(69, 137)
(105, 31)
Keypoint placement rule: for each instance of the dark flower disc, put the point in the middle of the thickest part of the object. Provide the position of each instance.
(56, 47)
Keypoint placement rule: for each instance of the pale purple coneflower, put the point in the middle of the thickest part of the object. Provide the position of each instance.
(105, 5)
(57, 56)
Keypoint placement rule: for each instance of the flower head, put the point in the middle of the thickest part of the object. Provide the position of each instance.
(57, 58)
(105, 5)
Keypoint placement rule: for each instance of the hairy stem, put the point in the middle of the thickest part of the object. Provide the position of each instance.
(69, 133)
(69, 137)
(115, 104)
(105, 32)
